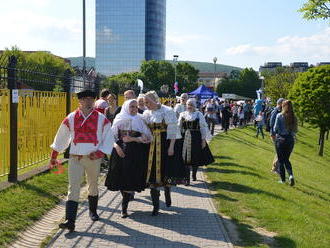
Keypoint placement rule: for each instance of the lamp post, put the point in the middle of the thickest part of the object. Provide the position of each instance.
(215, 68)
(175, 60)
(262, 78)
(84, 40)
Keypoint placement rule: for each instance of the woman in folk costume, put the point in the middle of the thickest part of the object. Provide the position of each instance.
(90, 137)
(128, 162)
(165, 165)
(194, 130)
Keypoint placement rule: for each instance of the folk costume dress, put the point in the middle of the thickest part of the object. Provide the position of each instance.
(163, 169)
(128, 173)
(193, 130)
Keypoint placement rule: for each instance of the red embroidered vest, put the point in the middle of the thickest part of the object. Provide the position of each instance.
(85, 132)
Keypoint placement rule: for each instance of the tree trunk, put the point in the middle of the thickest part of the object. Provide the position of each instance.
(327, 135)
(321, 141)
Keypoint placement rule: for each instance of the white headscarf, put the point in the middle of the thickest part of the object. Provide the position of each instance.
(124, 120)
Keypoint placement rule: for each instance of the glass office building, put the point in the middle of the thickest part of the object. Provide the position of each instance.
(128, 32)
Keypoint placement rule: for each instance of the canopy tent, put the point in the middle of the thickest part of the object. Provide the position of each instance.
(203, 92)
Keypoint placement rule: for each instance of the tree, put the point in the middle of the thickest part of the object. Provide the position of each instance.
(122, 82)
(316, 9)
(245, 84)
(311, 96)
(187, 77)
(279, 83)
(40, 70)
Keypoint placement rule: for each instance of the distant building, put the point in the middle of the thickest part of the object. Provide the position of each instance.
(299, 66)
(270, 66)
(323, 63)
(127, 33)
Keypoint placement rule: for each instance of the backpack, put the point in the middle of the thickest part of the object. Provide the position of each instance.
(268, 114)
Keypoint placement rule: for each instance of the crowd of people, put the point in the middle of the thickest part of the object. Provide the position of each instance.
(154, 146)
(151, 146)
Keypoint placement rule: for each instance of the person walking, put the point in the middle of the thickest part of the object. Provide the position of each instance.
(194, 131)
(285, 129)
(128, 162)
(181, 107)
(102, 103)
(273, 115)
(90, 137)
(225, 116)
(165, 164)
(260, 122)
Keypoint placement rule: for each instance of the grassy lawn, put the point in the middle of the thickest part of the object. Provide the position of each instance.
(249, 193)
(26, 202)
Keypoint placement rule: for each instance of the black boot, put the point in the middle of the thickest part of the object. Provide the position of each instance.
(168, 200)
(187, 176)
(155, 201)
(194, 172)
(70, 216)
(124, 204)
(93, 200)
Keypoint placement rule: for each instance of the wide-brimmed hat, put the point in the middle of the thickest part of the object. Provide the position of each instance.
(86, 93)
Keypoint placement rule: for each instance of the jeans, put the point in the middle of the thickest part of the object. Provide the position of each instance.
(260, 130)
(211, 124)
(284, 147)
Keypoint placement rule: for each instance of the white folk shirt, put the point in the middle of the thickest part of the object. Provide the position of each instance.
(191, 116)
(179, 108)
(167, 114)
(85, 134)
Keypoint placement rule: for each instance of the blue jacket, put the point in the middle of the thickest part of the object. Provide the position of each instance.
(273, 115)
(279, 127)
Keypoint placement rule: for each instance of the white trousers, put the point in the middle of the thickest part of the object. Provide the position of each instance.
(77, 168)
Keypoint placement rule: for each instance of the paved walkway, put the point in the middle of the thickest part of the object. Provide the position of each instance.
(190, 222)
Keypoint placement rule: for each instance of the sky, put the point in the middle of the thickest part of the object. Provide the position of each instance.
(243, 33)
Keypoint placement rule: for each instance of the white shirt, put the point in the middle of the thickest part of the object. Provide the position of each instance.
(65, 136)
(191, 116)
(179, 108)
(168, 115)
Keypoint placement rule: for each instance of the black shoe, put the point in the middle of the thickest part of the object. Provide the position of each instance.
(67, 225)
(168, 199)
(124, 204)
(155, 201)
(93, 200)
(291, 180)
(70, 216)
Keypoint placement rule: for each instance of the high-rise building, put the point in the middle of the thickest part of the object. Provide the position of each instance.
(127, 33)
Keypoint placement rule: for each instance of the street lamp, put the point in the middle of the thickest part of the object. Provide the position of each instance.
(175, 60)
(84, 40)
(261, 90)
(215, 67)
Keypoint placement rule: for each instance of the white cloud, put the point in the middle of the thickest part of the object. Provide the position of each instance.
(314, 47)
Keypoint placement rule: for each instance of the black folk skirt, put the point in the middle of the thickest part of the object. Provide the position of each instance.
(128, 173)
(172, 169)
(199, 156)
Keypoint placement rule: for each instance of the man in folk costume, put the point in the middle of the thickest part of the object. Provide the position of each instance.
(181, 107)
(90, 137)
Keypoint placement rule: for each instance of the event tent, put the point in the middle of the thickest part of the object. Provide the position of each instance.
(203, 92)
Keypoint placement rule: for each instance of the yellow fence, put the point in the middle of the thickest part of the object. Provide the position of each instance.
(39, 116)
(74, 102)
(4, 132)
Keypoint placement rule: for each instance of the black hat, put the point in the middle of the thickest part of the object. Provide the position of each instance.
(86, 93)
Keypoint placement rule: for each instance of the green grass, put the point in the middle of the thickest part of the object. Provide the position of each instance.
(21, 205)
(248, 192)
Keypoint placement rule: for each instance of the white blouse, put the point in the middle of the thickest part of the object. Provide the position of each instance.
(179, 108)
(168, 115)
(191, 116)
